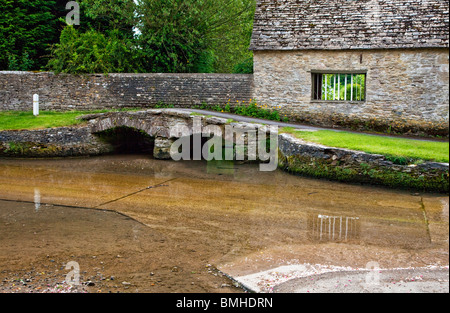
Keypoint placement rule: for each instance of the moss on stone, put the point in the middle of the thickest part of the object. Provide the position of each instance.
(432, 181)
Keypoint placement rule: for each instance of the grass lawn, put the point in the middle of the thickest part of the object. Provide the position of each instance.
(26, 120)
(18, 120)
(399, 150)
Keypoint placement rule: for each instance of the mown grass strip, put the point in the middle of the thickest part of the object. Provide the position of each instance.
(400, 150)
(25, 120)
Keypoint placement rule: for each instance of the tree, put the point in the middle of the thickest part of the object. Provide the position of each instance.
(106, 15)
(93, 52)
(102, 43)
(27, 29)
(231, 35)
(172, 34)
(195, 35)
(200, 36)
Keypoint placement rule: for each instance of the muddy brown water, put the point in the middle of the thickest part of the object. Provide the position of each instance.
(135, 224)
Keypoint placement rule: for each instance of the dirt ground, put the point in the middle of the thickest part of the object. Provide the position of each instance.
(115, 254)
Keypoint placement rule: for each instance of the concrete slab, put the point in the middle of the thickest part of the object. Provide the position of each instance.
(416, 280)
(307, 278)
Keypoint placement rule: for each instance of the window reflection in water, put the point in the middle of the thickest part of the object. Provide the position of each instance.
(333, 228)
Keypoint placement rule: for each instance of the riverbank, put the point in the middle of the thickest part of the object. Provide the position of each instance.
(309, 159)
(296, 156)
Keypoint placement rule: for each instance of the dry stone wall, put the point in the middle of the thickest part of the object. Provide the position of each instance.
(88, 92)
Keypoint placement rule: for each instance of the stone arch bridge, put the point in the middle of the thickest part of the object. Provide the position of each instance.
(167, 125)
(86, 140)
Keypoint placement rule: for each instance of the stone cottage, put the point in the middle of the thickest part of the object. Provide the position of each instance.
(381, 64)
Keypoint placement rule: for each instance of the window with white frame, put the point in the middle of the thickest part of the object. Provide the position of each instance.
(339, 86)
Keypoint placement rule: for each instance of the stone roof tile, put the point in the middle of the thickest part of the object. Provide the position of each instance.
(350, 24)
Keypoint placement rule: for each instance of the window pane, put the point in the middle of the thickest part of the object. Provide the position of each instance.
(339, 87)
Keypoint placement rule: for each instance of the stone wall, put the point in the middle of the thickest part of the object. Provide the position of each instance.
(314, 160)
(88, 92)
(407, 90)
(52, 142)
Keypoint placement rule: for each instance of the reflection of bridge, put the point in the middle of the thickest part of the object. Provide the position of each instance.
(333, 228)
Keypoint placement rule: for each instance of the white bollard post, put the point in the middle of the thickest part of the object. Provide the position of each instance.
(35, 104)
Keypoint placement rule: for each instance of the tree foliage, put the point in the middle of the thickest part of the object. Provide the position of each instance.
(195, 35)
(27, 29)
(127, 36)
(230, 39)
(106, 15)
(93, 52)
(103, 43)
